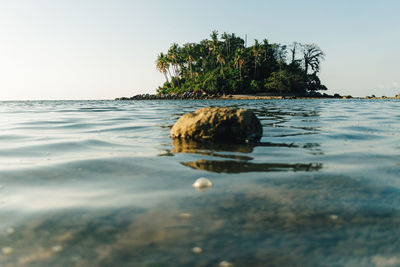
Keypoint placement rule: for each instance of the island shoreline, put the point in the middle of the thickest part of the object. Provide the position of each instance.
(203, 96)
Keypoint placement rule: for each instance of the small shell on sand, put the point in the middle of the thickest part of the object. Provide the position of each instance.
(197, 250)
(202, 182)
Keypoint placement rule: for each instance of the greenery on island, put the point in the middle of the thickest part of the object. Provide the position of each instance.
(226, 66)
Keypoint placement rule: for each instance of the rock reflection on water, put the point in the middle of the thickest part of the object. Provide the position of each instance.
(239, 163)
(191, 146)
(229, 166)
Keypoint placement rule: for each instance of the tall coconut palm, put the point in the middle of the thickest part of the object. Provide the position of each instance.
(162, 65)
(204, 55)
(239, 61)
(221, 60)
(266, 50)
(235, 42)
(256, 54)
(189, 51)
(214, 44)
(227, 40)
(173, 59)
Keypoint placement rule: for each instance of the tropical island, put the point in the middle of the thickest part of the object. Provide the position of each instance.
(227, 66)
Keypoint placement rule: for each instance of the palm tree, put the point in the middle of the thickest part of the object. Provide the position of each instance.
(239, 61)
(226, 38)
(266, 50)
(162, 65)
(189, 57)
(256, 53)
(235, 42)
(203, 52)
(173, 59)
(221, 60)
(214, 44)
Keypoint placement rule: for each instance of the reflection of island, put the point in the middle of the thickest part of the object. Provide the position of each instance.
(231, 166)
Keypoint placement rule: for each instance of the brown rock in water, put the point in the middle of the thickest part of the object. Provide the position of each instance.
(218, 124)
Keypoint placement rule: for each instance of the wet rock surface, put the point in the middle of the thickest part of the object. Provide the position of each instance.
(218, 124)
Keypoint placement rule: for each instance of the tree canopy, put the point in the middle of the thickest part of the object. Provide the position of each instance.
(226, 66)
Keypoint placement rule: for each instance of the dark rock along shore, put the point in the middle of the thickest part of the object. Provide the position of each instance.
(186, 95)
(202, 95)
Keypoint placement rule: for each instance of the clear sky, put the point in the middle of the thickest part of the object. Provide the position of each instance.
(98, 49)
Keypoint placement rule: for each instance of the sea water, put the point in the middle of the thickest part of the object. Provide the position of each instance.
(100, 183)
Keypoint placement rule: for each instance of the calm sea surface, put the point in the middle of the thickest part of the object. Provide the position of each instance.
(99, 183)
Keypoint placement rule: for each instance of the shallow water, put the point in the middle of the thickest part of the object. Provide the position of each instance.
(99, 183)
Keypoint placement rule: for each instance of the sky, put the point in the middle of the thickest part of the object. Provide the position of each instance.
(98, 49)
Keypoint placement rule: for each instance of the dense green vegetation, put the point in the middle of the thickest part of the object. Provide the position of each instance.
(226, 66)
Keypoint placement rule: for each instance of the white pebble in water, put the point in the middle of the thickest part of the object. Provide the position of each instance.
(185, 216)
(202, 182)
(334, 217)
(225, 264)
(10, 231)
(197, 250)
(7, 250)
(57, 248)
